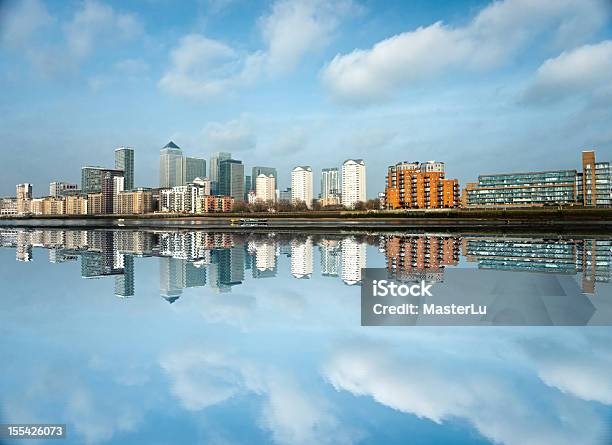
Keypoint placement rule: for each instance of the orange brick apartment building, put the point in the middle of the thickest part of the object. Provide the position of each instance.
(414, 185)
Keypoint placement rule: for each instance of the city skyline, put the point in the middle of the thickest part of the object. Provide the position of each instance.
(296, 97)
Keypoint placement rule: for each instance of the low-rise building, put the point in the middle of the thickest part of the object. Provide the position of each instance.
(206, 204)
(94, 204)
(8, 206)
(591, 187)
(135, 202)
(75, 205)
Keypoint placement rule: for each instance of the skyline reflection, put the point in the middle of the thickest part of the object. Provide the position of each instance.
(221, 260)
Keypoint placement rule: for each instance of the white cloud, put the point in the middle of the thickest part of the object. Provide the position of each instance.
(19, 24)
(489, 40)
(295, 28)
(581, 71)
(95, 20)
(503, 408)
(234, 135)
(203, 68)
(91, 24)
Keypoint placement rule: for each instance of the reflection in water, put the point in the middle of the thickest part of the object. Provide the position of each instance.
(282, 358)
(193, 259)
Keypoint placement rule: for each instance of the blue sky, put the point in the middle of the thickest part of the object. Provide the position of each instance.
(484, 86)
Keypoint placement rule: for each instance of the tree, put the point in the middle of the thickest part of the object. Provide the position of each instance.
(284, 205)
(372, 204)
(240, 207)
(300, 206)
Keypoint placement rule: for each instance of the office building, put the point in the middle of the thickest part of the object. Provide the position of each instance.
(124, 160)
(91, 179)
(301, 185)
(231, 179)
(524, 189)
(353, 182)
(193, 168)
(285, 195)
(215, 161)
(265, 188)
(60, 188)
(24, 196)
(414, 185)
(171, 172)
(591, 187)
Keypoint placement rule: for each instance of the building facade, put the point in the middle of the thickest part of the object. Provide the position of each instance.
(414, 185)
(75, 205)
(124, 160)
(112, 184)
(594, 183)
(524, 189)
(215, 203)
(135, 202)
(193, 168)
(171, 173)
(353, 182)
(265, 188)
(330, 184)
(215, 161)
(231, 179)
(91, 179)
(24, 197)
(60, 188)
(256, 171)
(301, 185)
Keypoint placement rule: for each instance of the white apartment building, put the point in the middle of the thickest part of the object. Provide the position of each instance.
(301, 258)
(353, 260)
(353, 182)
(301, 185)
(265, 188)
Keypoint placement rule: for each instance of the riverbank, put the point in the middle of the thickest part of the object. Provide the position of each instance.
(541, 219)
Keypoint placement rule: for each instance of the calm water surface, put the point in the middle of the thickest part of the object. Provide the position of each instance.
(192, 337)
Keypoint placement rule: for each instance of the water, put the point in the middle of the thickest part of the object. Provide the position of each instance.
(193, 337)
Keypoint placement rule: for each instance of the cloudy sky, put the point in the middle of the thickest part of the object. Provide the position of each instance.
(484, 86)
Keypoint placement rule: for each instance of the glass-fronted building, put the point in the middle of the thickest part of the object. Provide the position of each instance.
(524, 189)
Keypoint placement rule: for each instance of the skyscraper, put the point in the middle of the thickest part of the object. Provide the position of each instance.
(215, 161)
(256, 171)
(171, 171)
(231, 179)
(91, 181)
(124, 160)
(353, 182)
(330, 183)
(194, 168)
(301, 185)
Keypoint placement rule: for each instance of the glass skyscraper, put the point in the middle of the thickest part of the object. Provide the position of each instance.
(231, 179)
(171, 171)
(124, 160)
(215, 160)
